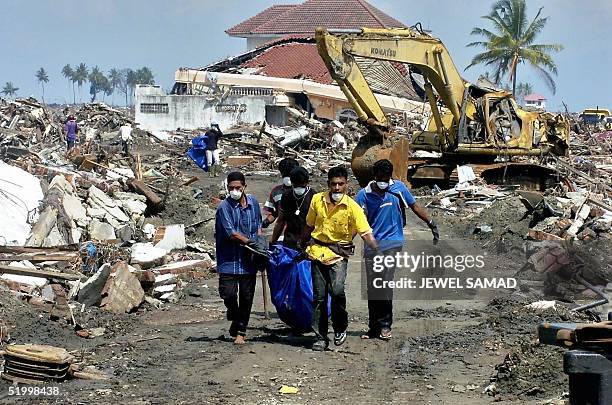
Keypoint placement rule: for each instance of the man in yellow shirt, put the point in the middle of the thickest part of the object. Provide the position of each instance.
(333, 220)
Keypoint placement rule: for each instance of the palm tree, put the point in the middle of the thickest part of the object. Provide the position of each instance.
(9, 89)
(68, 73)
(522, 90)
(96, 82)
(80, 77)
(42, 77)
(144, 75)
(114, 77)
(513, 43)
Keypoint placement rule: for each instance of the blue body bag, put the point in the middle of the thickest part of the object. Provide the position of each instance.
(291, 288)
(197, 152)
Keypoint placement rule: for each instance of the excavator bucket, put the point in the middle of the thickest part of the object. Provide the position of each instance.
(371, 149)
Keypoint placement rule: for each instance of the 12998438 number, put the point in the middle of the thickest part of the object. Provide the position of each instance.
(33, 391)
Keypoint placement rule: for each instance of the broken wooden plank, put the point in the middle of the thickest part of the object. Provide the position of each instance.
(145, 190)
(38, 273)
(41, 258)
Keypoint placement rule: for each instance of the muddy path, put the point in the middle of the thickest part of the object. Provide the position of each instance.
(441, 352)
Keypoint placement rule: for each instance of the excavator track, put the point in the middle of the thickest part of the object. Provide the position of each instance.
(528, 176)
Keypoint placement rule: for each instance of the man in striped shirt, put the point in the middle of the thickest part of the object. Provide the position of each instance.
(237, 225)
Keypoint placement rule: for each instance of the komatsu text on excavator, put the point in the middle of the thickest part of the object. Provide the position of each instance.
(476, 124)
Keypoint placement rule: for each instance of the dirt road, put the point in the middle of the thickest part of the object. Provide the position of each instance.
(441, 352)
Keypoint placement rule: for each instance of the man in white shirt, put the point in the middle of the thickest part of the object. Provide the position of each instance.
(125, 133)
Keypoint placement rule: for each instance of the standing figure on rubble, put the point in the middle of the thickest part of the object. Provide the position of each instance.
(237, 225)
(293, 209)
(332, 221)
(212, 149)
(271, 207)
(71, 130)
(384, 201)
(125, 133)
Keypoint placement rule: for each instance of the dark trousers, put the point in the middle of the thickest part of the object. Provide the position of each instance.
(69, 144)
(125, 148)
(237, 291)
(329, 280)
(380, 300)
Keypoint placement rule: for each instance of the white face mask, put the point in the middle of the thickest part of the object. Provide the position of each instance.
(337, 196)
(383, 185)
(235, 194)
(287, 181)
(299, 191)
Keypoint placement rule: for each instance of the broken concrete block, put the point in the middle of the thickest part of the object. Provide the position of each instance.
(125, 233)
(164, 279)
(43, 226)
(54, 238)
(165, 288)
(146, 254)
(101, 230)
(154, 302)
(184, 266)
(74, 209)
(584, 212)
(90, 292)
(98, 199)
(122, 292)
(170, 237)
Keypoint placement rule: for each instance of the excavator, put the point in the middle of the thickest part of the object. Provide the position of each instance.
(473, 124)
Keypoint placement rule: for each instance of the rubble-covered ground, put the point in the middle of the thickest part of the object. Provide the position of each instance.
(112, 258)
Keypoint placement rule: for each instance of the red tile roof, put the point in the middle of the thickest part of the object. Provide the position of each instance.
(534, 97)
(291, 61)
(268, 14)
(306, 17)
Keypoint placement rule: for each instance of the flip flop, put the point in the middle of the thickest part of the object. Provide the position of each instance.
(385, 335)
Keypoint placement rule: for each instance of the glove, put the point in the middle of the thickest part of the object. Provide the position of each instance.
(434, 230)
(265, 223)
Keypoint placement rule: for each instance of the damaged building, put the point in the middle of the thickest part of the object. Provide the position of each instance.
(281, 68)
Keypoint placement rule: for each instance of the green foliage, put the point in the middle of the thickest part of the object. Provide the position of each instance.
(512, 42)
(9, 89)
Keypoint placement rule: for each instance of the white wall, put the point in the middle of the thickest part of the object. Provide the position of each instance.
(254, 42)
(191, 112)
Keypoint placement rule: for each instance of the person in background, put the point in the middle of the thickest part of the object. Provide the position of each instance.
(71, 130)
(271, 207)
(294, 205)
(125, 133)
(384, 201)
(332, 221)
(237, 225)
(212, 149)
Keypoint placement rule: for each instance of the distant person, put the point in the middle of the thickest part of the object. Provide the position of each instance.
(294, 205)
(125, 133)
(237, 224)
(271, 207)
(212, 149)
(71, 130)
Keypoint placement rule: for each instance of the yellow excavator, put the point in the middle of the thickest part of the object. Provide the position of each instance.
(470, 124)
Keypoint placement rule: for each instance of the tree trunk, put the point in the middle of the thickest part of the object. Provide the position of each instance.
(43, 94)
(514, 66)
(73, 94)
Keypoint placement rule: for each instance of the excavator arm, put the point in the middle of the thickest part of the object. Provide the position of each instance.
(424, 52)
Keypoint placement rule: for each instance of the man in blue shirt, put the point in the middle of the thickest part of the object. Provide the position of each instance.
(384, 201)
(237, 225)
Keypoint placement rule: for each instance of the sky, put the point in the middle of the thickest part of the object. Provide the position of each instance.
(166, 34)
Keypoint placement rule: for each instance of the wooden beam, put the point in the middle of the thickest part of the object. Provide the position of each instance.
(38, 273)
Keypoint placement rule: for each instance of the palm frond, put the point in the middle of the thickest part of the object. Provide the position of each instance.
(546, 78)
